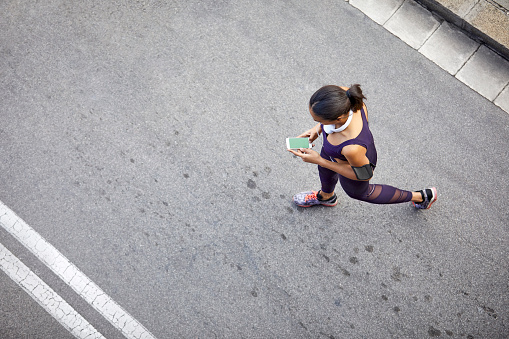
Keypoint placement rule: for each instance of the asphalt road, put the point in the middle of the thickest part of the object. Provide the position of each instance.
(145, 140)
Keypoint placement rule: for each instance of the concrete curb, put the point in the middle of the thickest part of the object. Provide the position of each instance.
(485, 20)
(462, 54)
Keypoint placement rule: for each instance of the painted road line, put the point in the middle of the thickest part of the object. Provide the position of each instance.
(72, 276)
(46, 297)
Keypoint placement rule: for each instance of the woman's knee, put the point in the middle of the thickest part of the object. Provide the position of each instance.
(356, 195)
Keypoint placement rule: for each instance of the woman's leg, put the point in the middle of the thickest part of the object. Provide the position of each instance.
(361, 190)
(328, 178)
(375, 193)
(326, 196)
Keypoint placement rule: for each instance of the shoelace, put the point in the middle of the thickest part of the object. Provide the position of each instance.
(311, 196)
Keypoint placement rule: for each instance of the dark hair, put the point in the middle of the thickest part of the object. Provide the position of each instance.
(330, 102)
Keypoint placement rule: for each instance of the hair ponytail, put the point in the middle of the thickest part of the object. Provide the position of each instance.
(355, 96)
(330, 102)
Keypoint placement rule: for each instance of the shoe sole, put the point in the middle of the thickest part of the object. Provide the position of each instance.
(326, 205)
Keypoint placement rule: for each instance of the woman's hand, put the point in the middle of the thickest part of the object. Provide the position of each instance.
(312, 134)
(307, 154)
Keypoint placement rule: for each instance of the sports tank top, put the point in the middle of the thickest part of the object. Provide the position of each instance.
(364, 139)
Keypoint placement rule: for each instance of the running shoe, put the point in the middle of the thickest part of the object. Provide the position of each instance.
(312, 198)
(429, 195)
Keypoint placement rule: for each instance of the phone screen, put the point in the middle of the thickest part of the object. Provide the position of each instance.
(296, 143)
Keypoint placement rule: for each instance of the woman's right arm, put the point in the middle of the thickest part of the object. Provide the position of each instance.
(312, 133)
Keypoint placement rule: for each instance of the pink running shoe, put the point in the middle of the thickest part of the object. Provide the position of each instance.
(312, 198)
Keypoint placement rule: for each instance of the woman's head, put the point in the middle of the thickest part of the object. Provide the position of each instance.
(331, 102)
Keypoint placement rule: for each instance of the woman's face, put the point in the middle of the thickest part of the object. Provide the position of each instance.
(339, 121)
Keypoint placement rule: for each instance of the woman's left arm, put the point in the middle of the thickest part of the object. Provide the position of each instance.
(358, 162)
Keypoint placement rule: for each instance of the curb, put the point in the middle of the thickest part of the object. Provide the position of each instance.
(460, 52)
(486, 20)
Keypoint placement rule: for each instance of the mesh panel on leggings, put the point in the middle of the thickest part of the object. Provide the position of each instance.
(385, 194)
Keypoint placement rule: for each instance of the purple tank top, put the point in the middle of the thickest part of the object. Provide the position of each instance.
(364, 139)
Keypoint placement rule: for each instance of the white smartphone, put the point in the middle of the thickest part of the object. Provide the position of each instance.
(296, 143)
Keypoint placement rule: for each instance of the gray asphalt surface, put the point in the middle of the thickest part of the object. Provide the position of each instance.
(146, 141)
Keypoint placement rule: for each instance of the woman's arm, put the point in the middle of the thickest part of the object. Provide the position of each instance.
(355, 154)
(341, 167)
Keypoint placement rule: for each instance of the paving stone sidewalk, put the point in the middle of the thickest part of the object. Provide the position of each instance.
(467, 38)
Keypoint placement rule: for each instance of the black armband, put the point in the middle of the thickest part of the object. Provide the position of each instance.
(364, 172)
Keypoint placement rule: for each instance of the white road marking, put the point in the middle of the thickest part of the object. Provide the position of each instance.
(46, 297)
(72, 276)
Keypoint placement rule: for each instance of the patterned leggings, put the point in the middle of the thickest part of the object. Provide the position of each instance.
(362, 190)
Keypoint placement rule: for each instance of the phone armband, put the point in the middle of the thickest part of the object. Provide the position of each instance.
(364, 172)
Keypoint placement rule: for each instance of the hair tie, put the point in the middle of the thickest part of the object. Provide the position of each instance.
(349, 96)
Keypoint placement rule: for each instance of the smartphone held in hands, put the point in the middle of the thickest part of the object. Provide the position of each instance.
(296, 143)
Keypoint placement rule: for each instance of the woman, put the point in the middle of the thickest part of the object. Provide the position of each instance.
(348, 153)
